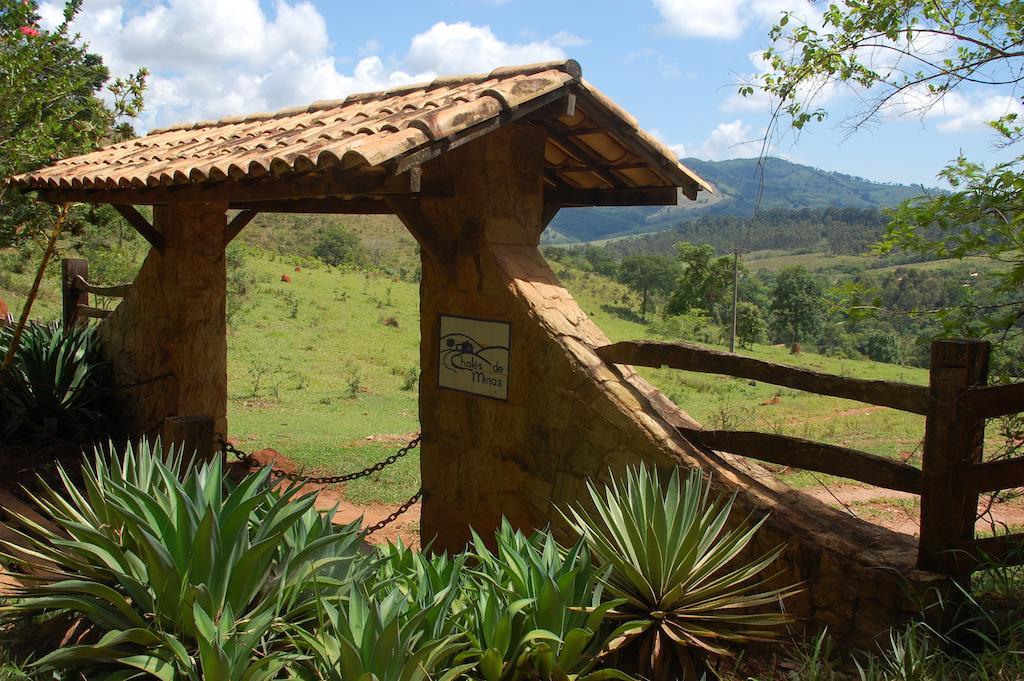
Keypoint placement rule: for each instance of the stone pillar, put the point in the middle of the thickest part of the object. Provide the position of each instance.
(570, 417)
(169, 332)
(476, 462)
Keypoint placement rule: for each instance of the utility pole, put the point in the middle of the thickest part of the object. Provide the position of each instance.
(735, 296)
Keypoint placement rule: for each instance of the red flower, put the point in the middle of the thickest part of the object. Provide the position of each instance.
(30, 31)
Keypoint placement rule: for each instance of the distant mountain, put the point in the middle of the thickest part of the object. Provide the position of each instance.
(787, 186)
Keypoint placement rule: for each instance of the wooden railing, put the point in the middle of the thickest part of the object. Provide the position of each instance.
(956, 402)
(75, 289)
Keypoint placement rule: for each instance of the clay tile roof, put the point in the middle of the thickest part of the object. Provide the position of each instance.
(598, 146)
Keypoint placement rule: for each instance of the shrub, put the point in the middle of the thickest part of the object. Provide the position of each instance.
(672, 561)
(880, 346)
(57, 382)
(695, 325)
(189, 578)
(337, 246)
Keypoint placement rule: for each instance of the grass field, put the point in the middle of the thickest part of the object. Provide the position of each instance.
(320, 364)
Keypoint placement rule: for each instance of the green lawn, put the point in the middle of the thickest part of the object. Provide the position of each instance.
(319, 364)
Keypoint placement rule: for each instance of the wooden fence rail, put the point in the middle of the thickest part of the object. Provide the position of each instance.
(75, 289)
(902, 396)
(955, 404)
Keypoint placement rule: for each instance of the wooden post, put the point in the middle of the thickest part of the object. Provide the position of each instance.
(193, 434)
(952, 438)
(73, 296)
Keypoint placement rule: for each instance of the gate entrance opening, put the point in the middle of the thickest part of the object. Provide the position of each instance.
(475, 167)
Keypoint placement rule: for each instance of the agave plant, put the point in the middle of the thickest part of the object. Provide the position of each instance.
(434, 583)
(672, 561)
(56, 382)
(167, 570)
(537, 610)
(377, 639)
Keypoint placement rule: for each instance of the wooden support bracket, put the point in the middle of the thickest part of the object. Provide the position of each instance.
(141, 225)
(237, 224)
(548, 214)
(411, 214)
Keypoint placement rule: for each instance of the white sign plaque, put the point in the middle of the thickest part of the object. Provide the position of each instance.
(474, 356)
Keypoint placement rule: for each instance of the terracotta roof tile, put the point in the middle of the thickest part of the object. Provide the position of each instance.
(375, 128)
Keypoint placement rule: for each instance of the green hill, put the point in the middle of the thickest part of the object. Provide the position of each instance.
(787, 186)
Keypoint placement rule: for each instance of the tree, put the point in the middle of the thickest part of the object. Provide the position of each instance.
(646, 275)
(50, 108)
(797, 304)
(904, 57)
(880, 346)
(705, 282)
(337, 246)
(750, 325)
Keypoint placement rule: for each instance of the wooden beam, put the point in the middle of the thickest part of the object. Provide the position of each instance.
(548, 214)
(237, 224)
(319, 206)
(140, 224)
(990, 476)
(591, 159)
(72, 295)
(119, 291)
(611, 123)
(411, 214)
(903, 396)
(94, 312)
(326, 184)
(994, 400)
(636, 196)
(564, 107)
(952, 439)
(812, 456)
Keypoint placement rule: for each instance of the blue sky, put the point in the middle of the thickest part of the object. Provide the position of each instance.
(674, 64)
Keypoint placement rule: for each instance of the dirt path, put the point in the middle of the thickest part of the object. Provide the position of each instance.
(900, 511)
(406, 527)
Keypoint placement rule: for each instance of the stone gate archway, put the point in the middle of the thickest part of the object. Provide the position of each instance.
(475, 167)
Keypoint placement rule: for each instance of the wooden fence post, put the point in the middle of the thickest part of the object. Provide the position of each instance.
(953, 437)
(72, 296)
(193, 434)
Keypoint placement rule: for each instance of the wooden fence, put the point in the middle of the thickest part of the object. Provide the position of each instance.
(75, 290)
(955, 403)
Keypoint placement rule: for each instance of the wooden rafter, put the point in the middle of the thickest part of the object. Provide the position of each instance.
(323, 206)
(612, 124)
(584, 157)
(358, 183)
(636, 196)
(237, 224)
(411, 214)
(141, 225)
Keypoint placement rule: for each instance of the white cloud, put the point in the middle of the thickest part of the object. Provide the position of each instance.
(211, 58)
(732, 139)
(728, 19)
(819, 92)
(967, 114)
(462, 47)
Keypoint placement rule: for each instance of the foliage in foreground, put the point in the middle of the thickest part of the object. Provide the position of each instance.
(672, 564)
(159, 570)
(57, 382)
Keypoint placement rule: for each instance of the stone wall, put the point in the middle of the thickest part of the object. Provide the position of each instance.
(570, 417)
(169, 332)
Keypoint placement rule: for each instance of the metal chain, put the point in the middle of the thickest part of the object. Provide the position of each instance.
(228, 448)
(246, 458)
(394, 516)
